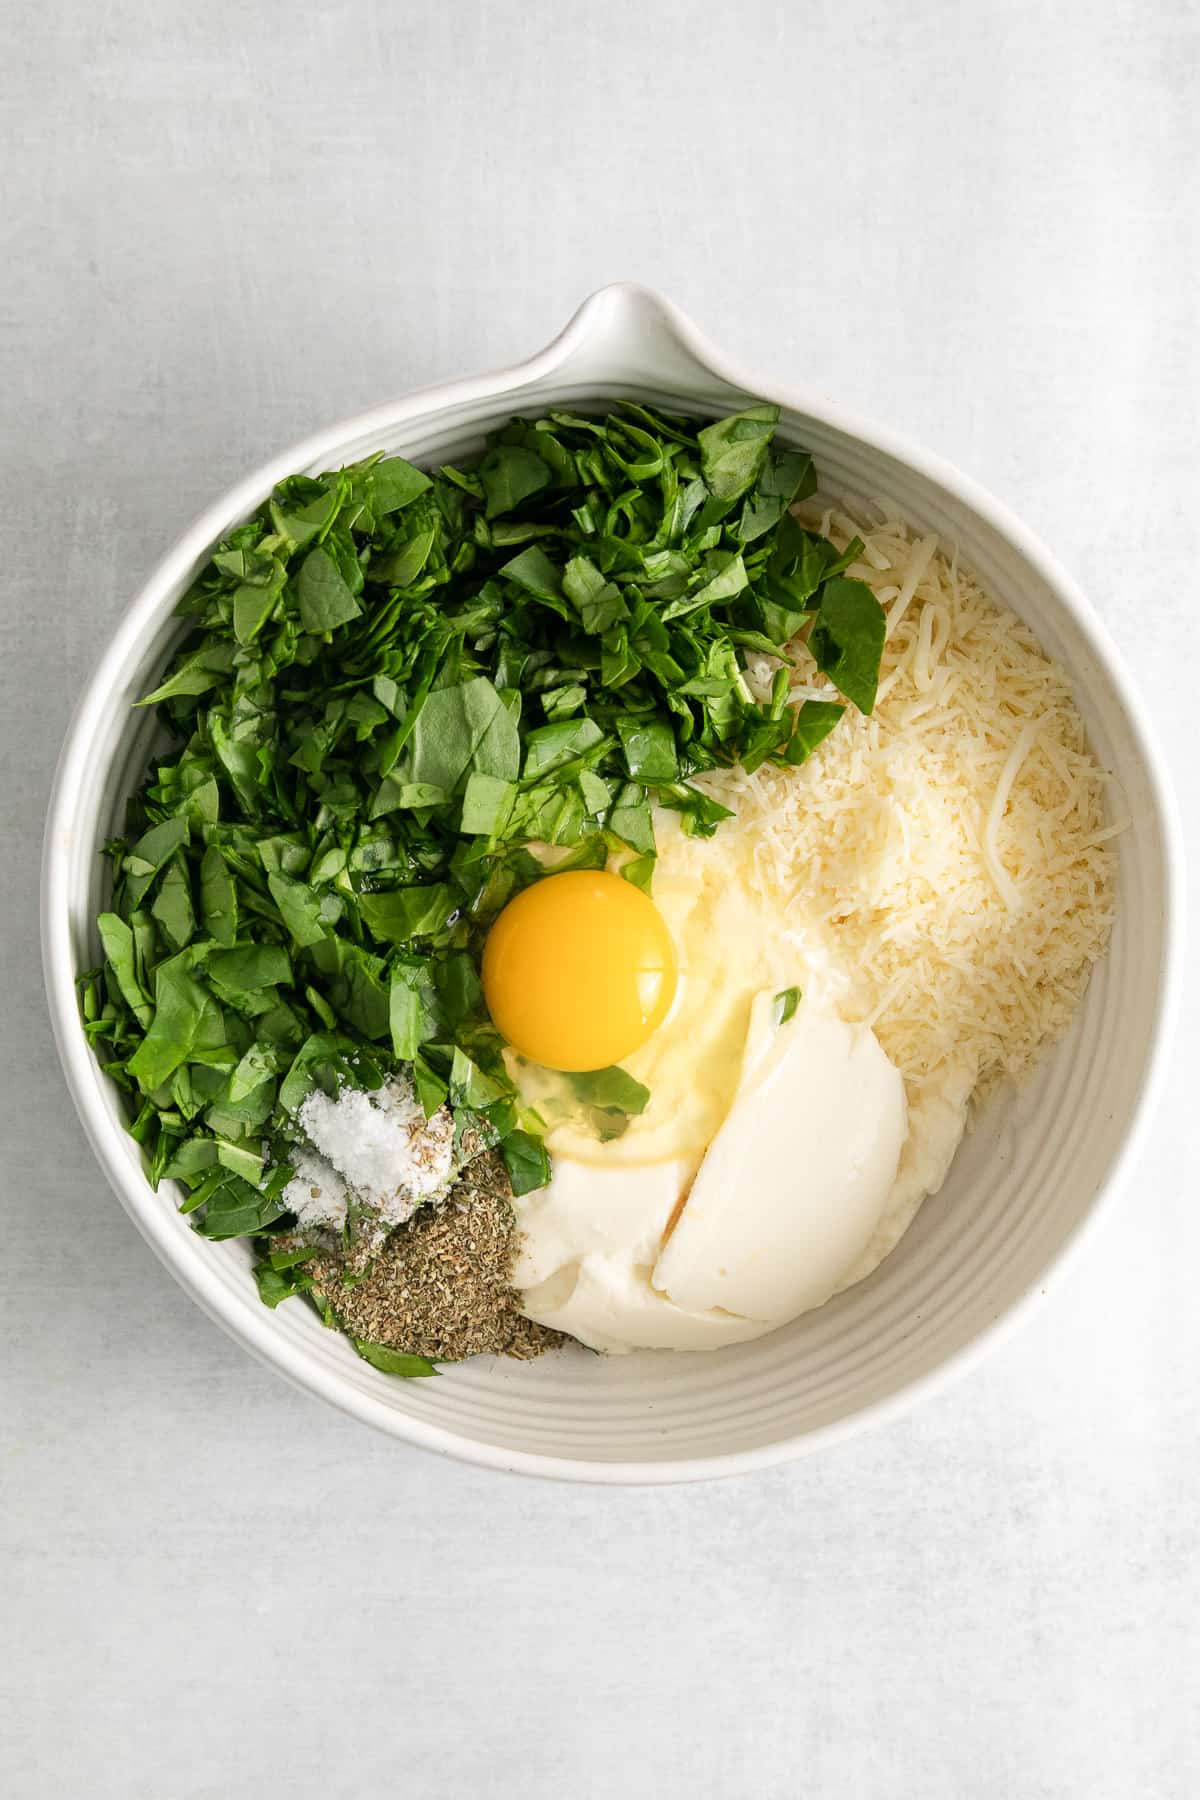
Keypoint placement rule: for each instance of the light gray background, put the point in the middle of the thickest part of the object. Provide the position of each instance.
(228, 223)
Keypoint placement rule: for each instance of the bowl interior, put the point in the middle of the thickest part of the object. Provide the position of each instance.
(1024, 1181)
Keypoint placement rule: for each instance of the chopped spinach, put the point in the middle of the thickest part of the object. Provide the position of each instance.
(393, 682)
(393, 1362)
(610, 1098)
(786, 1002)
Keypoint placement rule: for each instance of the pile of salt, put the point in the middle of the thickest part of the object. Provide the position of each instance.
(378, 1145)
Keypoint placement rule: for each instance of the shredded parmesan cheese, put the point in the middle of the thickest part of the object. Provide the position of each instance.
(1016, 757)
(944, 862)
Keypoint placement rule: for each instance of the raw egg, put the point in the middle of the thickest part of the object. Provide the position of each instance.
(579, 970)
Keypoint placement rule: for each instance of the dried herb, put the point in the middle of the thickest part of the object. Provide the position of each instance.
(440, 1288)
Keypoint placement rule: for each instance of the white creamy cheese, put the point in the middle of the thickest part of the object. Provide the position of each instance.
(591, 1240)
(795, 1181)
(791, 1190)
(937, 1119)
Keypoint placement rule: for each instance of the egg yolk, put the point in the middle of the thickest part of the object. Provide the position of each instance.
(578, 970)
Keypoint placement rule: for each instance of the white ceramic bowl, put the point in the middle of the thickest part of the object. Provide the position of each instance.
(1024, 1184)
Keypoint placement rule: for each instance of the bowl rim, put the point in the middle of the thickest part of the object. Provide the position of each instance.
(622, 304)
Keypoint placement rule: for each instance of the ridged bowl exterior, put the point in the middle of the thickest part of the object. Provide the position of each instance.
(1025, 1182)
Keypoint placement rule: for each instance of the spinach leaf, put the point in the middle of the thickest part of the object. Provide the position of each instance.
(612, 1097)
(787, 479)
(247, 969)
(597, 600)
(458, 989)
(152, 851)
(560, 703)
(299, 908)
(259, 1063)
(527, 1163)
(323, 594)
(847, 639)
(639, 871)
(431, 1089)
(394, 1362)
(533, 571)
(194, 675)
(597, 794)
(218, 897)
(409, 912)
(117, 939)
(460, 728)
(611, 1087)
(632, 821)
(395, 483)
(733, 451)
(254, 603)
(560, 745)
(798, 565)
(241, 1160)
(509, 475)
(649, 747)
(786, 1002)
(406, 1015)
(233, 1209)
(471, 1086)
(815, 719)
(487, 805)
(193, 1157)
(351, 979)
(180, 1008)
(324, 1061)
(278, 1281)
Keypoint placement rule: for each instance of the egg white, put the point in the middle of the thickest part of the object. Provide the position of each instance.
(730, 944)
